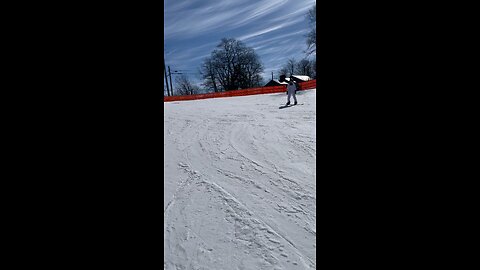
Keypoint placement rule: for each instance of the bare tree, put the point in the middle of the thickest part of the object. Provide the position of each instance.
(291, 65)
(289, 68)
(312, 35)
(232, 65)
(185, 87)
(208, 73)
(250, 69)
(313, 65)
(304, 67)
(283, 71)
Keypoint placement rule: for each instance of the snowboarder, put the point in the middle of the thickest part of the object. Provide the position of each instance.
(291, 90)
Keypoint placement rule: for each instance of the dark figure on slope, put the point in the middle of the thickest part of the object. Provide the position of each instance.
(291, 90)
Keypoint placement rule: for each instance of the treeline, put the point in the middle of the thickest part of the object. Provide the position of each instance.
(302, 67)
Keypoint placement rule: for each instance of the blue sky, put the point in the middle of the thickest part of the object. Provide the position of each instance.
(276, 29)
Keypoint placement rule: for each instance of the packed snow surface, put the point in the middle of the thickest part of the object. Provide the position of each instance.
(240, 183)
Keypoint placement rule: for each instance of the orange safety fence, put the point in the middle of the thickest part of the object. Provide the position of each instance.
(243, 92)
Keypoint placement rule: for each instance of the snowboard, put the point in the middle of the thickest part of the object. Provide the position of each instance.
(291, 105)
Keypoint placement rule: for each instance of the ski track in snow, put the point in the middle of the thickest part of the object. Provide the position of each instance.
(240, 183)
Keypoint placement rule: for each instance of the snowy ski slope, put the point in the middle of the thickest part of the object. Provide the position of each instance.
(240, 183)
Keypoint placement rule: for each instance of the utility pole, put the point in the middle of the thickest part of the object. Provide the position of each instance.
(272, 75)
(166, 78)
(169, 73)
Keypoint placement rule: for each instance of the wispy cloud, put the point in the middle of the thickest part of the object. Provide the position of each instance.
(274, 28)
